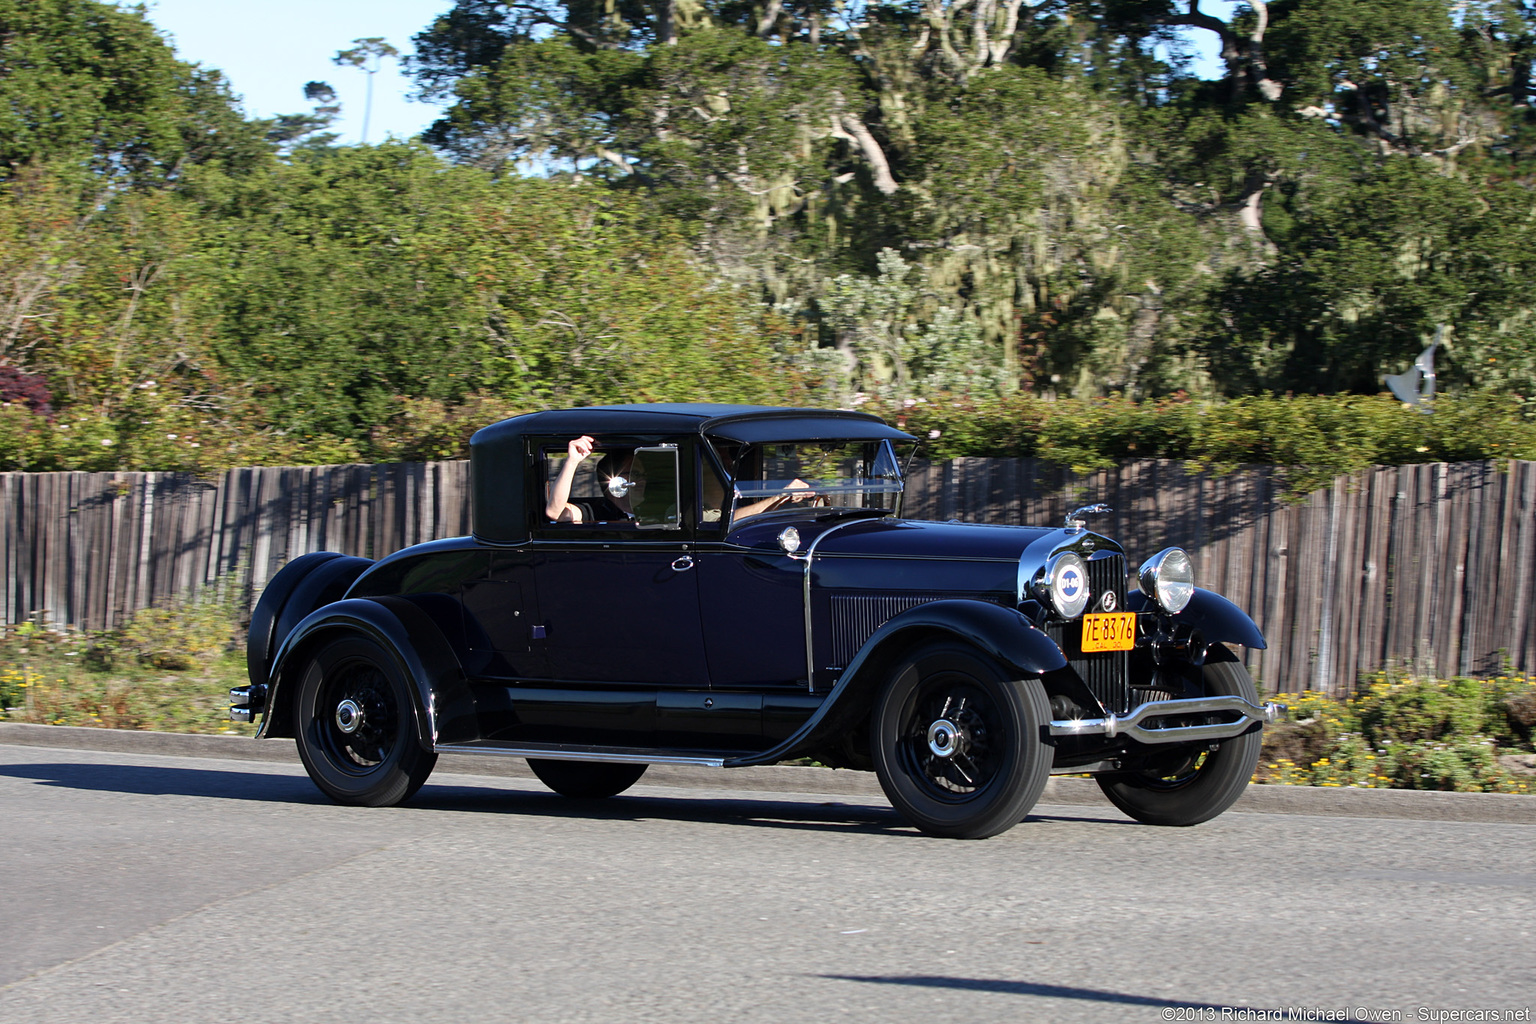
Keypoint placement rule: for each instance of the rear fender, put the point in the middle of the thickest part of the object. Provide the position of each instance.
(327, 584)
(260, 639)
(444, 707)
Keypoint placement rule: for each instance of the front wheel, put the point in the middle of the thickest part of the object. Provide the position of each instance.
(959, 747)
(586, 780)
(356, 726)
(1186, 786)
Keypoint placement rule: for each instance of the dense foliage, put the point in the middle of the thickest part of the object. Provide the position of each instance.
(1048, 181)
(973, 203)
(1396, 732)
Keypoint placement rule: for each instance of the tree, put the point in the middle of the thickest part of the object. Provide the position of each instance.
(366, 54)
(94, 85)
(288, 130)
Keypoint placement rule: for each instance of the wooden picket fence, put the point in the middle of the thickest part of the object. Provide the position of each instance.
(1431, 567)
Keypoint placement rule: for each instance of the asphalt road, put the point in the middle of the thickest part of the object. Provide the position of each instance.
(155, 888)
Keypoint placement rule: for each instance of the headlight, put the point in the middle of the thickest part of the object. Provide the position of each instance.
(1168, 578)
(1064, 582)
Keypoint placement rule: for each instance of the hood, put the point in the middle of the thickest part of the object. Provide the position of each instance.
(911, 538)
(898, 538)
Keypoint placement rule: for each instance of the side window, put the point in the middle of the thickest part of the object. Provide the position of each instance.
(617, 486)
(585, 492)
(653, 490)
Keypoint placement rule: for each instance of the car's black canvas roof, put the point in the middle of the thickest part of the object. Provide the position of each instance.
(497, 452)
(748, 423)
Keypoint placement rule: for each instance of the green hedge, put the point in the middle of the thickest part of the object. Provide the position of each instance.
(1315, 437)
(1318, 437)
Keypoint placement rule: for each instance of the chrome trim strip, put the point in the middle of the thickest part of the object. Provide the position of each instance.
(1130, 724)
(608, 756)
(808, 558)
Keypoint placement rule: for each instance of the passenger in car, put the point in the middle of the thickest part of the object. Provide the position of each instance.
(620, 476)
(714, 494)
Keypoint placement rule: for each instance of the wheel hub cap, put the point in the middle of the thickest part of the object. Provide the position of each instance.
(349, 716)
(945, 738)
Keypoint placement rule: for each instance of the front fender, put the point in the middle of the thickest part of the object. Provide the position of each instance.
(1217, 619)
(1002, 633)
(444, 705)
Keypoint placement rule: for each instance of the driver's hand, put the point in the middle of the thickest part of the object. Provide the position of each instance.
(580, 448)
(799, 490)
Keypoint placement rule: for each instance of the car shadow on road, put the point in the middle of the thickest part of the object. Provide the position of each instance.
(807, 813)
(1031, 988)
(144, 780)
(767, 812)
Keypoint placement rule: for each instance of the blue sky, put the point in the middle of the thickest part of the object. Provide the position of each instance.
(269, 49)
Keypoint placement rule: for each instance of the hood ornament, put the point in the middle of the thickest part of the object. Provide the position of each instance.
(1075, 520)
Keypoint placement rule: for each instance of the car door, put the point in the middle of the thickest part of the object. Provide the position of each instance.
(619, 599)
(752, 605)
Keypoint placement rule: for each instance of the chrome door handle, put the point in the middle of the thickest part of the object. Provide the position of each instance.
(682, 562)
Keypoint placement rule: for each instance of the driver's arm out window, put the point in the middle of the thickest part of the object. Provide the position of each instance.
(586, 496)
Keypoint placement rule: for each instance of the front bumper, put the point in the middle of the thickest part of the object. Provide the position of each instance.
(1133, 724)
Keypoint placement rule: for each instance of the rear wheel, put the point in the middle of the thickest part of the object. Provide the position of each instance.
(959, 747)
(586, 780)
(1188, 785)
(356, 726)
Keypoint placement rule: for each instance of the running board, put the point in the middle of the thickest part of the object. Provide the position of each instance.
(576, 752)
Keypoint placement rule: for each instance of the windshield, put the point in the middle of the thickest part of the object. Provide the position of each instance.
(797, 475)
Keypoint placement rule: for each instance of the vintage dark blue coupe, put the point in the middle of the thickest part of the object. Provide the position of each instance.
(724, 586)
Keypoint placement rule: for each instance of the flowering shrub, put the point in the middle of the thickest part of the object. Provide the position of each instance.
(1403, 733)
(27, 390)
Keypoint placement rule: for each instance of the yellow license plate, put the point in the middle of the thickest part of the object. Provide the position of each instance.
(1115, 631)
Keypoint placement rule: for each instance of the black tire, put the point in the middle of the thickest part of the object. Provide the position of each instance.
(959, 747)
(1194, 785)
(380, 762)
(586, 780)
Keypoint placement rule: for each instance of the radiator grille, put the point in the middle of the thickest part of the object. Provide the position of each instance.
(1107, 673)
(1107, 573)
(855, 617)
